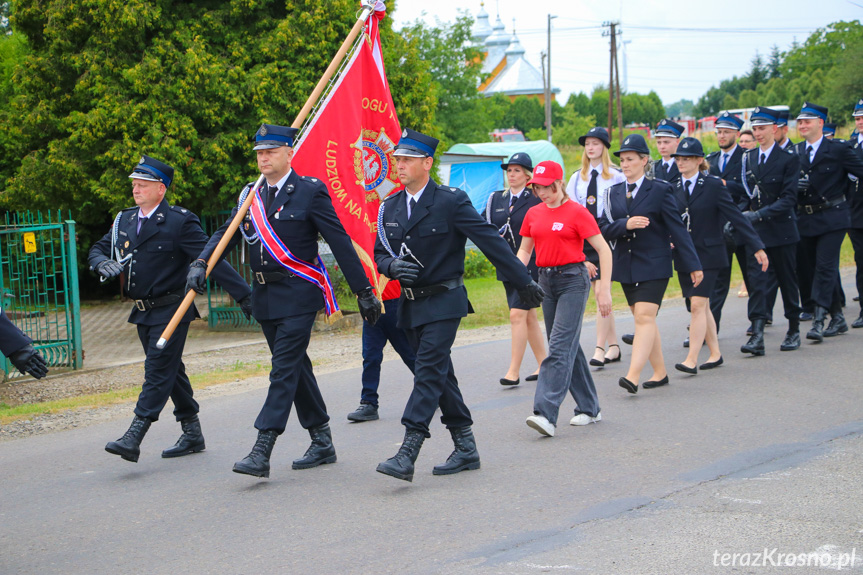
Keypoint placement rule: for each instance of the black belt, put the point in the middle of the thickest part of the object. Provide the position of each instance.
(271, 277)
(564, 267)
(813, 208)
(414, 293)
(150, 303)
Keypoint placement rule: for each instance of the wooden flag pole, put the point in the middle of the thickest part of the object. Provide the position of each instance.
(241, 211)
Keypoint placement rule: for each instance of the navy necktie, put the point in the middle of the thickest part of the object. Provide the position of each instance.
(724, 162)
(687, 185)
(411, 205)
(630, 189)
(591, 193)
(763, 159)
(140, 225)
(271, 195)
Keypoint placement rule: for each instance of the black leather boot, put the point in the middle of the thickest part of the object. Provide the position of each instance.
(464, 457)
(792, 338)
(192, 440)
(401, 465)
(837, 325)
(755, 345)
(817, 331)
(320, 451)
(129, 446)
(858, 323)
(257, 462)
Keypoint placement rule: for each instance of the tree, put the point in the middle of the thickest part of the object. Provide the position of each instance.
(774, 62)
(188, 82)
(680, 108)
(525, 114)
(455, 66)
(758, 72)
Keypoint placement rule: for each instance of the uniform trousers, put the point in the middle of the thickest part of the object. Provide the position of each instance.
(820, 266)
(375, 338)
(856, 235)
(565, 369)
(435, 384)
(723, 281)
(164, 374)
(292, 381)
(783, 263)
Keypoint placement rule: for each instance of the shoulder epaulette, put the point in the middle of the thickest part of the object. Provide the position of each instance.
(128, 209)
(179, 209)
(712, 155)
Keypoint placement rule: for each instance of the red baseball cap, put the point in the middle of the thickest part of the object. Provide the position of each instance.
(546, 173)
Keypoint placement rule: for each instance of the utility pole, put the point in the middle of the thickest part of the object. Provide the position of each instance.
(548, 82)
(619, 95)
(546, 90)
(612, 64)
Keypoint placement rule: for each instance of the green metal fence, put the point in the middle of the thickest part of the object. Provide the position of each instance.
(224, 313)
(39, 285)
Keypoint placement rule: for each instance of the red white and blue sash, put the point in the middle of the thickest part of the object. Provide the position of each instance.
(317, 274)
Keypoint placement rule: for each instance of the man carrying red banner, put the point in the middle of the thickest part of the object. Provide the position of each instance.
(291, 285)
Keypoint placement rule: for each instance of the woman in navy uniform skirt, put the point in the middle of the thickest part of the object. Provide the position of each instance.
(588, 187)
(704, 205)
(639, 217)
(505, 210)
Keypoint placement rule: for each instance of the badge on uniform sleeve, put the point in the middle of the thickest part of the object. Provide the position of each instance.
(247, 225)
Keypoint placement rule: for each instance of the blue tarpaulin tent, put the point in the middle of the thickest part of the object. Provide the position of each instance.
(475, 168)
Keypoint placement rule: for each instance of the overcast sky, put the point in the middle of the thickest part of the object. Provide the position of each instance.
(679, 48)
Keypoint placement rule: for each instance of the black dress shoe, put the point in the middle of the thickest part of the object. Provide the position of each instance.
(597, 362)
(613, 359)
(651, 384)
(627, 385)
(805, 316)
(627, 338)
(712, 364)
(686, 342)
(505, 381)
(858, 323)
(365, 412)
(532, 377)
(685, 369)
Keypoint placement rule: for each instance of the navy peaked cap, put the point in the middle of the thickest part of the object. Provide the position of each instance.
(152, 170)
(270, 136)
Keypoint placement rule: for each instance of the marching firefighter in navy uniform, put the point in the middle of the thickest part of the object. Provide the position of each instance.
(422, 231)
(823, 215)
(726, 164)
(781, 136)
(15, 345)
(152, 244)
(855, 195)
(667, 135)
(290, 287)
(770, 183)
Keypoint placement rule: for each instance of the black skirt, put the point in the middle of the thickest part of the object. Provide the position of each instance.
(650, 291)
(512, 298)
(704, 289)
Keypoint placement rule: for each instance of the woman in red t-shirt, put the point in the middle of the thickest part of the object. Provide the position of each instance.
(558, 228)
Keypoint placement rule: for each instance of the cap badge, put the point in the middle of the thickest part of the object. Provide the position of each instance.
(594, 129)
(861, 102)
(404, 133)
(686, 144)
(626, 142)
(662, 123)
(757, 109)
(263, 131)
(141, 161)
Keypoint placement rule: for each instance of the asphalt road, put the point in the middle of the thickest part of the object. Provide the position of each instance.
(762, 453)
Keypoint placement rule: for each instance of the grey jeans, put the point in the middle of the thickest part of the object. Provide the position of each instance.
(565, 368)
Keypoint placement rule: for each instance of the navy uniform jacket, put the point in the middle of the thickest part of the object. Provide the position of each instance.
(672, 176)
(855, 190)
(645, 254)
(170, 240)
(440, 224)
(497, 210)
(828, 182)
(11, 338)
(788, 144)
(777, 201)
(302, 210)
(709, 207)
(732, 174)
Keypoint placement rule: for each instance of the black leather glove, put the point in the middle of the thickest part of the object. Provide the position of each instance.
(246, 306)
(28, 360)
(531, 294)
(752, 216)
(197, 278)
(370, 306)
(109, 269)
(404, 271)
